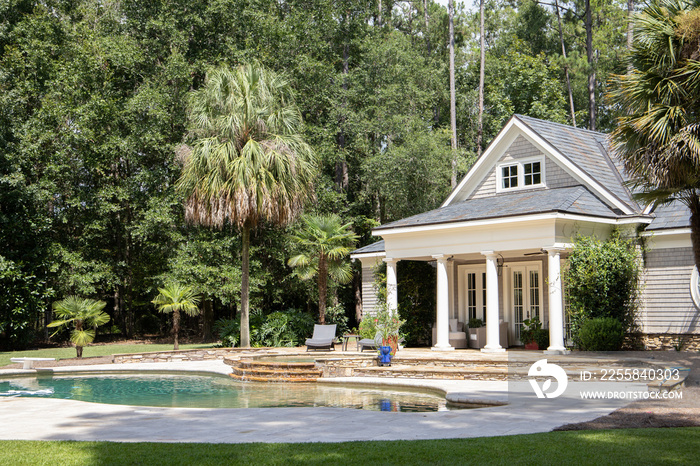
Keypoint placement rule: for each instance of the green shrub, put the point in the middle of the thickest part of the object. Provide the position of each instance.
(280, 328)
(336, 315)
(602, 280)
(416, 282)
(532, 331)
(229, 331)
(601, 334)
(475, 323)
(368, 327)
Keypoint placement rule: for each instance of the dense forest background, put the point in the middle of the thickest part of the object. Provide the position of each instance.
(93, 122)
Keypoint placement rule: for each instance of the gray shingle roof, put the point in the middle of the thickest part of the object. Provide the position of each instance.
(370, 248)
(575, 200)
(673, 215)
(589, 150)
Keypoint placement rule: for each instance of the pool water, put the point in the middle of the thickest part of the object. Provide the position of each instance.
(197, 391)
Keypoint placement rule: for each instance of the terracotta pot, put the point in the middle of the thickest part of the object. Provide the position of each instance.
(532, 346)
(392, 341)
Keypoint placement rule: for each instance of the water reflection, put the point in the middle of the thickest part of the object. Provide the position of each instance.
(219, 392)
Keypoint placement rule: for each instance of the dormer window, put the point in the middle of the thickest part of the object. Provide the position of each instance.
(509, 175)
(533, 173)
(520, 174)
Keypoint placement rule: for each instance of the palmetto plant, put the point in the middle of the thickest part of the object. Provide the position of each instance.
(175, 298)
(658, 136)
(324, 242)
(84, 314)
(249, 162)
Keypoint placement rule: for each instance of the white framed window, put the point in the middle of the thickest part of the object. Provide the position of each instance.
(509, 176)
(520, 174)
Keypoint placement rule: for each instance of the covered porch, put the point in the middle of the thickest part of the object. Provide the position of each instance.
(499, 272)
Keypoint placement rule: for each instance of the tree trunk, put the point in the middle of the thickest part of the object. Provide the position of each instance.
(322, 288)
(379, 17)
(694, 205)
(245, 287)
(78, 328)
(341, 165)
(482, 75)
(176, 329)
(427, 25)
(630, 30)
(591, 67)
(566, 65)
(207, 318)
(453, 104)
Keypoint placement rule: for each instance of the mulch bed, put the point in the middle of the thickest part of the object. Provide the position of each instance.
(684, 412)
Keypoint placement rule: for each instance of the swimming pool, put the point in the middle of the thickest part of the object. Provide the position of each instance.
(212, 391)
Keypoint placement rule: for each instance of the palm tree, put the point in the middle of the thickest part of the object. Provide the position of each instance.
(84, 314)
(249, 162)
(658, 136)
(325, 242)
(175, 298)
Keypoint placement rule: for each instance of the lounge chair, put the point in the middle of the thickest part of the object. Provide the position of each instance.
(371, 343)
(323, 338)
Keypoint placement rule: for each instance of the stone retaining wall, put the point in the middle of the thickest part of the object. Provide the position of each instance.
(175, 356)
(665, 341)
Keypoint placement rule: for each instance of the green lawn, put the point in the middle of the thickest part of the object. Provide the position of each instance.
(630, 446)
(98, 350)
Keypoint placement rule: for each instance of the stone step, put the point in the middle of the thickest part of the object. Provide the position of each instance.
(277, 373)
(249, 378)
(276, 365)
(414, 372)
(272, 371)
(670, 383)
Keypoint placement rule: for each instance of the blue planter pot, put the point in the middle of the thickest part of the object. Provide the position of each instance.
(385, 355)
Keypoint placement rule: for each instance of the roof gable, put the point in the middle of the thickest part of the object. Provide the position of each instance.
(581, 153)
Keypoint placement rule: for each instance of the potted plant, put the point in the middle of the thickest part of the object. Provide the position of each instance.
(477, 333)
(532, 334)
(388, 324)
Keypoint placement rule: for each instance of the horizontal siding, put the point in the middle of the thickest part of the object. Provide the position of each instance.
(555, 176)
(667, 305)
(487, 187)
(369, 292)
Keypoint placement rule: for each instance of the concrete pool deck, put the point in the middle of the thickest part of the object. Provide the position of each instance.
(54, 419)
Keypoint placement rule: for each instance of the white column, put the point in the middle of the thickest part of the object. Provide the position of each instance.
(492, 322)
(443, 306)
(392, 294)
(556, 303)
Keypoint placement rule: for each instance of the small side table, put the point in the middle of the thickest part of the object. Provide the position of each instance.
(347, 338)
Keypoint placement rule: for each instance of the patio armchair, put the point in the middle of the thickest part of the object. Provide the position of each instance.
(457, 336)
(323, 338)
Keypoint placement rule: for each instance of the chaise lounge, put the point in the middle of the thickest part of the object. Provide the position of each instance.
(371, 343)
(323, 338)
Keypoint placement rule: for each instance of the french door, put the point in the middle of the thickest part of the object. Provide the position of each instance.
(526, 296)
(476, 294)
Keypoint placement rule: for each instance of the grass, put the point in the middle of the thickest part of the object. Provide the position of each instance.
(97, 350)
(624, 446)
